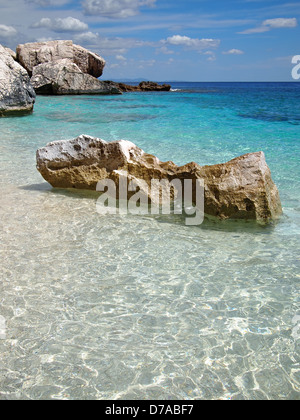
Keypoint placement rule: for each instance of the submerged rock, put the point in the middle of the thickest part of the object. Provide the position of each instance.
(239, 189)
(16, 93)
(32, 54)
(65, 78)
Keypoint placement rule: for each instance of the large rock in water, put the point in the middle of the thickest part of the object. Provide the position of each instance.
(240, 189)
(35, 53)
(63, 77)
(16, 93)
(62, 68)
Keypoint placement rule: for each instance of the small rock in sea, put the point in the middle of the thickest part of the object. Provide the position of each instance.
(142, 87)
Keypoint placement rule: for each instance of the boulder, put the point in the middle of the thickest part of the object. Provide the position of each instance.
(32, 54)
(63, 77)
(16, 93)
(82, 162)
(88, 62)
(239, 189)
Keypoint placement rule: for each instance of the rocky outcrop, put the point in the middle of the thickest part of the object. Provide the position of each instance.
(152, 86)
(16, 93)
(65, 78)
(63, 68)
(240, 189)
(35, 53)
(142, 87)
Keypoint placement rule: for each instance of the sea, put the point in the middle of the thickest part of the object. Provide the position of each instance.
(132, 307)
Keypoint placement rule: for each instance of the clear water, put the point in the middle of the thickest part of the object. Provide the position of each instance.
(132, 307)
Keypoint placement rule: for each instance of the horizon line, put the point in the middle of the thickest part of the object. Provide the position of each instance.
(205, 81)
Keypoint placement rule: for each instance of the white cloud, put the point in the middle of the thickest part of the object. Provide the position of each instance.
(164, 50)
(68, 24)
(269, 24)
(48, 3)
(211, 55)
(257, 30)
(44, 39)
(7, 31)
(120, 57)
(146, 63)
(115, 8)
(87, 37)
(117, 44)
(109, 46)
(234, 51)
(281, 23)
(113, 66)
(192, 43)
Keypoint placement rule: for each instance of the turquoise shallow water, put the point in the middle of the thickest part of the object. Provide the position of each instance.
(146, 307)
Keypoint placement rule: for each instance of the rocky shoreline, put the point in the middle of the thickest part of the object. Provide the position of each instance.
(55, 68)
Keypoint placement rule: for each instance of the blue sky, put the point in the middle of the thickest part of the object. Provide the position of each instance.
(191, 40)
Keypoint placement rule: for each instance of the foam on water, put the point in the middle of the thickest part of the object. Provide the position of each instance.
(136, 307)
